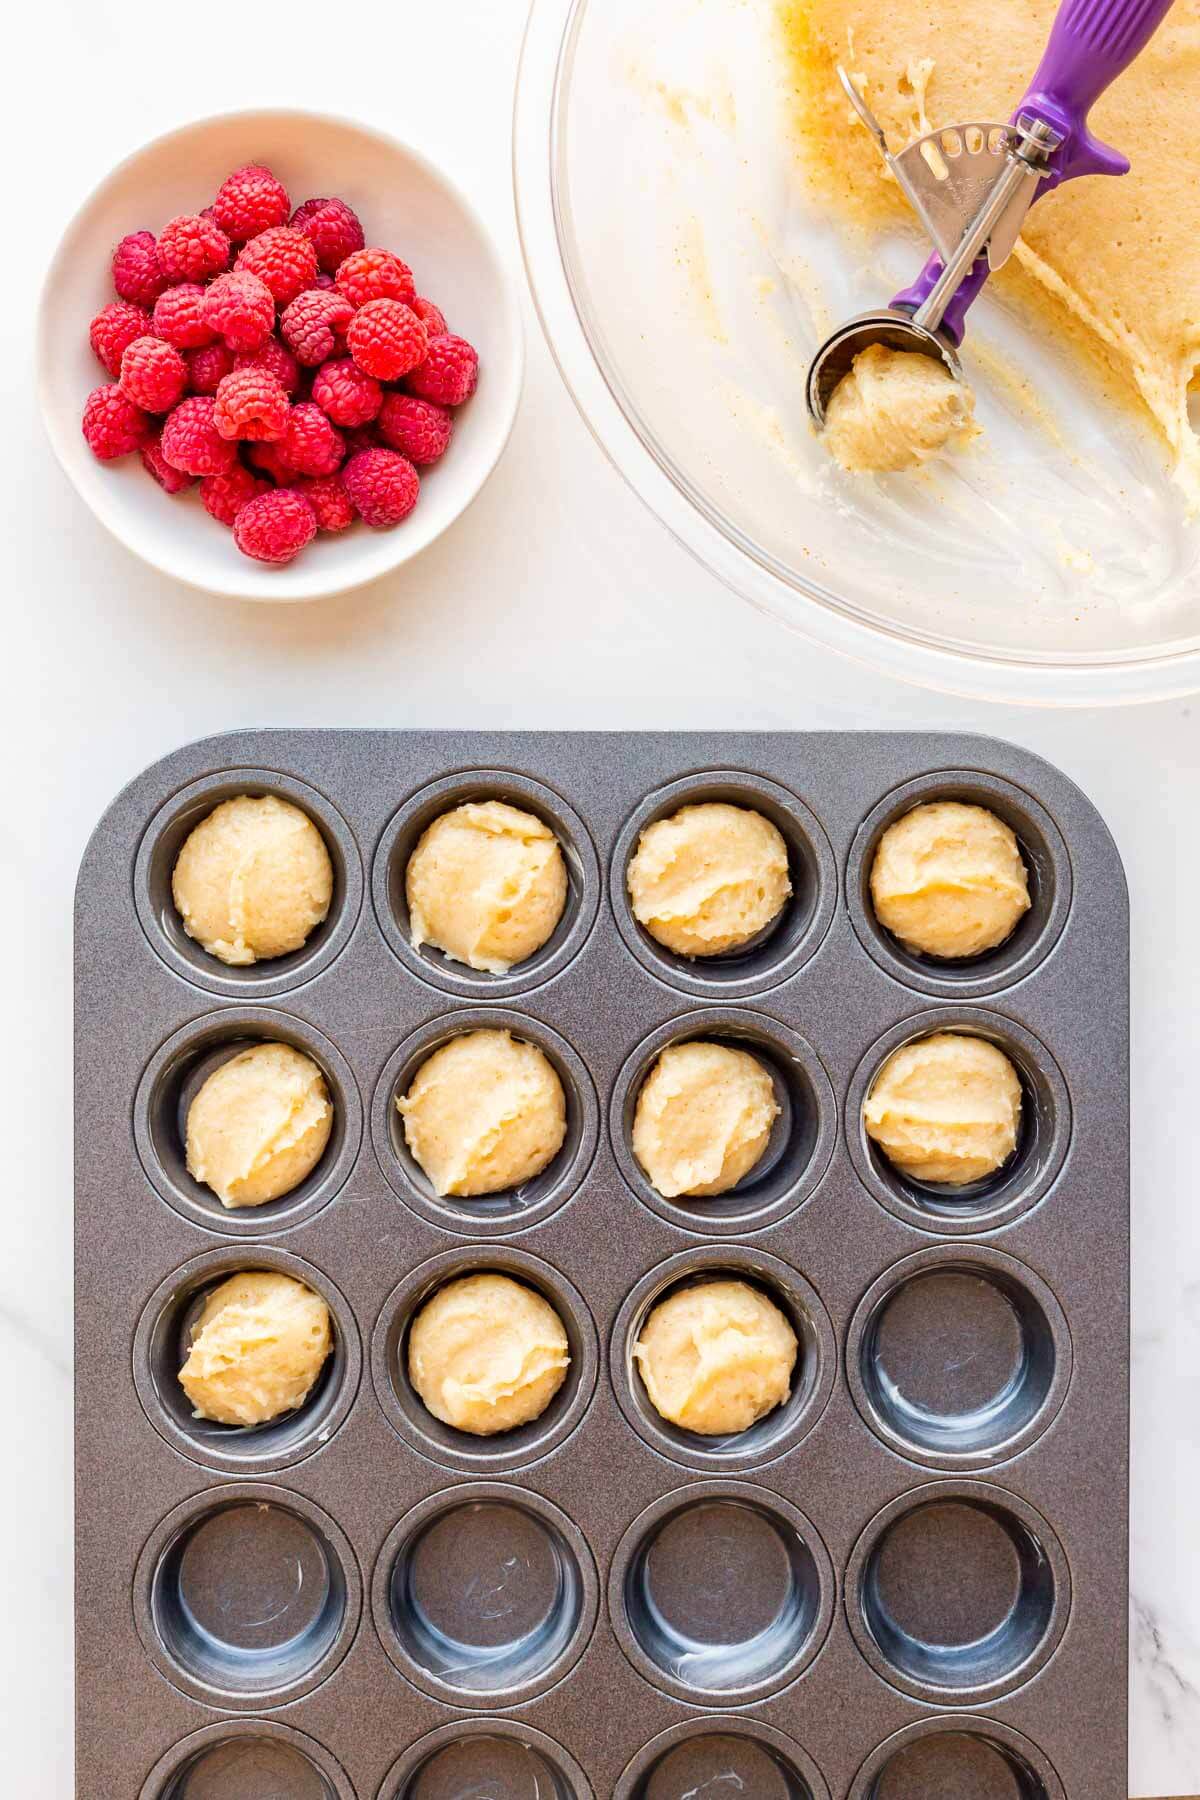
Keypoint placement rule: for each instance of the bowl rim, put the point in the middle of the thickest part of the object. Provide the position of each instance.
(814, 612)
(237, 586)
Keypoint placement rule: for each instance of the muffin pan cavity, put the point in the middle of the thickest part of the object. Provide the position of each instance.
(513, 1209)
(957, 1759)
(721, 1593)
(401, 838)
(461, 1450)
(163, 1340)
(248, 1599)
(790, 939)
(1024, 1180)
(235, 1759)
(1047, 867)
(496, 1757)
(722, 1754)
(155, 865)
(175, 1075)
(812, 1379)
(924, 1518)
(801, 1142)
(958, 1593)
(959, 1358)
(484, 1596)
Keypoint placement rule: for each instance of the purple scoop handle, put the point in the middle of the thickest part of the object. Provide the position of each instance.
(1092, 42)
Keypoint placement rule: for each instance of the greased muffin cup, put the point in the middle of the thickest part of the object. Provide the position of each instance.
(909, 1577)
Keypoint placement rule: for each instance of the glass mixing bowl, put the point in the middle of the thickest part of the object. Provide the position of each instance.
(684, 281)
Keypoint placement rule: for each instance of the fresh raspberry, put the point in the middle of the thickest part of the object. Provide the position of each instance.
(114, 327)
(275, 358)
(208, 367)
(249, 201)
(191, 248)
(112, 424)
(180, 317)
(419, 429)
(153, 374)
(448, 374)
(269, 458)
(387, 339)
(191, 441)
(275, 527)
(174, 481)
(383, 486)
(329, 501)
(284, 261)
(136, 271)
(314, 326)
(432, 317)
(333, 228)
(239, 308)
(225, 495)
(375, 275)
(311, 445)
(252, 404)
(349, 396)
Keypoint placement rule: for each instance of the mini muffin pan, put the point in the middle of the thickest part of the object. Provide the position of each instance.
(907, 1583)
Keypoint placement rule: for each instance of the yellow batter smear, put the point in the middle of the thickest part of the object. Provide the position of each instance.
(1114, 264)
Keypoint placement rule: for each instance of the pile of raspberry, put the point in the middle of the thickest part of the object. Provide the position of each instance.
(274, 358)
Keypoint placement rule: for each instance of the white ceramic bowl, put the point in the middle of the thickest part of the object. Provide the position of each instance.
(684, 282)
(406, 205)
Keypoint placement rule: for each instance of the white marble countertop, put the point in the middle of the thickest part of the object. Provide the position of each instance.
(578, 610)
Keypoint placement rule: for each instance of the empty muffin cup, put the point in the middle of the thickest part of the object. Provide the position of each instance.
(1048, 875)
(787, 941)
(500, 1758)
(158, 853)
(957, 1759)
(812, 1377)
(462, 1450)
(404, 833)
(230, 1760)
(1042, 1139)
(511, 1209)
(247, 1597)
(163, 1341)
(958, 1592)
(485, 1542)
(715, 1754)
(959, 1358)
(721, 1593)
(174, 1077)
(801, 1137)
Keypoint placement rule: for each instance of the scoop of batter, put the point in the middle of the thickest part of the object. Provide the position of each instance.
(259, 1125)
(716, 1357)
(487, 1354)
(946, 1109)
(895, 410)
(709, 878)
(949, 880)
(257, 1348)
(484, 1113)
(253, 879)
(703, 1118)
(487, 885)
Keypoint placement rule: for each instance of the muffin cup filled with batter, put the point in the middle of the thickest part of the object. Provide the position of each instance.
(484, 1360)
(723, 884)
(958, 1120)
(723, 1358)
(722, 1120)
(301, 1141)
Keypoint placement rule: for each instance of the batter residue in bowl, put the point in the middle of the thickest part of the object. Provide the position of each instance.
(1113, 264)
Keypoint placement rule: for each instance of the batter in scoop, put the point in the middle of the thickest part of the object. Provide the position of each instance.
(1113, 264)
(895, 410)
